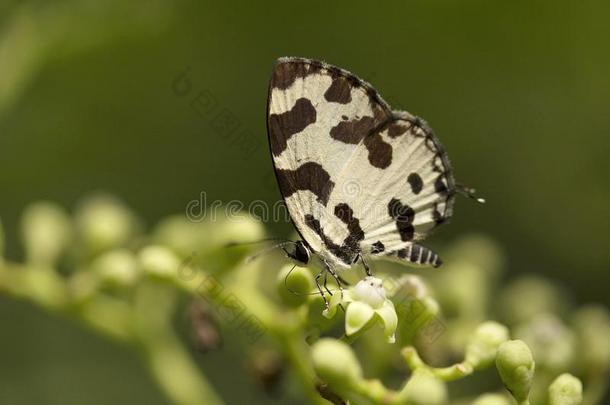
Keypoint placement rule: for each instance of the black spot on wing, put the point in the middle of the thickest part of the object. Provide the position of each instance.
(283, 126)
(356, 129)
(403, 215)
(416, 183)
(377, 247)
(339, 91)
(345, 254)
(350, 248)
(396, 129)
(439, 185)
(309, 176)
(356, 234)
(314, 224)
(379, 151)
(352, 131)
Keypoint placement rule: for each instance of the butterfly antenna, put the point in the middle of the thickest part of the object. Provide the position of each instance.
(469, 192)
(267, 250)
(255, 242)
(296, 292)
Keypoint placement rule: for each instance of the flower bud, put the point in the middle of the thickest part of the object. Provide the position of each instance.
(105, 223)
(483, 345)
(46, 231)
(565, 390)
(294, 284)
(425, 389)
(492, 399)
(116, 267)
(159, 261)
(516, 365)
(370, 291)
(335, 363)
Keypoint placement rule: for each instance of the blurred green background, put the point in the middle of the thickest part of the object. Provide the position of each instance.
(518, 92)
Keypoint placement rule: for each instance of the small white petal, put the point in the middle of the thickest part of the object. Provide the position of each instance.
(357, 315)
(388, 316)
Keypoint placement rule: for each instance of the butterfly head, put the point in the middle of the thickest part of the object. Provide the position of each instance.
(300, 254)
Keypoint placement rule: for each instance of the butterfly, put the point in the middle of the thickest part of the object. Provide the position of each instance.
(359, 179)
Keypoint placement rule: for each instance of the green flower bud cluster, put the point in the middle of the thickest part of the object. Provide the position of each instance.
(336, 365)
(125, 284)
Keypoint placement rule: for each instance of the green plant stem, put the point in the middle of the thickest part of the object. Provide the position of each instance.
(450, 373)
(170, 364)
(40, 285)
(109, 316)
(376, 392)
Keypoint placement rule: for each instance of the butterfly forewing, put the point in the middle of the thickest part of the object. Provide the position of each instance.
(355, 176)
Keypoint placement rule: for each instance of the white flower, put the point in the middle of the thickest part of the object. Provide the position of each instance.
(366, 304)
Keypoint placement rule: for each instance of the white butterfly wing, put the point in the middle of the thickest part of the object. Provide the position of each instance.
(354, 175)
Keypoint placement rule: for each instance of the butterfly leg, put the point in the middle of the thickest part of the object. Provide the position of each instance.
(320, 287)
(325, 281)
(334, 274)
(367, 269)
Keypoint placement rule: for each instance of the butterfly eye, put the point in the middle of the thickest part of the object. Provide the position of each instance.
(301, 253)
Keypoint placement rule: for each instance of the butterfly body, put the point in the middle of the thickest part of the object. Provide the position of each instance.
(359, 179)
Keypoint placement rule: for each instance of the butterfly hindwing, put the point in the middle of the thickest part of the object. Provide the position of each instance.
(405, 193)
(355, 176)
